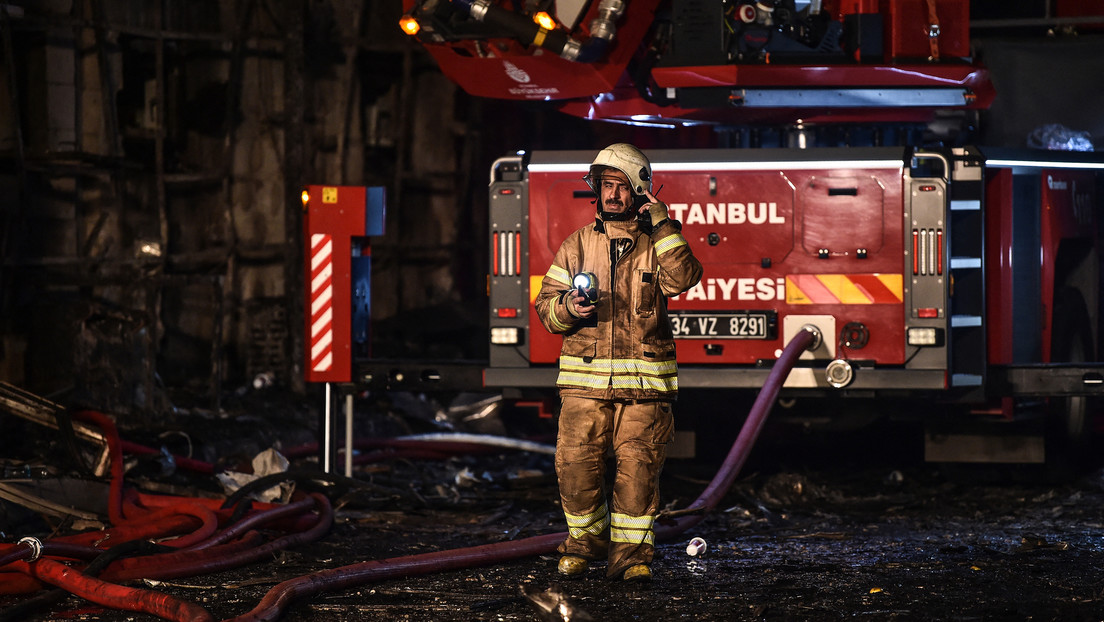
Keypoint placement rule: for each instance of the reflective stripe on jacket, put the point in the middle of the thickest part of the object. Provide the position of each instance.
(627, 351)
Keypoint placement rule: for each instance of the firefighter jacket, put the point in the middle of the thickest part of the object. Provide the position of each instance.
(627, 350)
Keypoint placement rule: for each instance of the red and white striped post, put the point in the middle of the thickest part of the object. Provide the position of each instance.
(320, 323)
(334, 217)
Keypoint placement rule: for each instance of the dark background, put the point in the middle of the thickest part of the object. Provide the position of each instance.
(152, 157)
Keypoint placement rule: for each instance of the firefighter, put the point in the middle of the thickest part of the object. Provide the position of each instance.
(606, 293)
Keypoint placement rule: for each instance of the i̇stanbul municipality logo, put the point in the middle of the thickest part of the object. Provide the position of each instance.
(515, 73)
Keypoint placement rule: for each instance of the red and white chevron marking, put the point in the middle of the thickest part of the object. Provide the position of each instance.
(321, 301)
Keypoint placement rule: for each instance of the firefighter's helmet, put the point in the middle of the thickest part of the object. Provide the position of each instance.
(627, 159)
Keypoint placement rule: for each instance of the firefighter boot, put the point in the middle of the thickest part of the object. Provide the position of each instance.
(572, 565)
(639, 572)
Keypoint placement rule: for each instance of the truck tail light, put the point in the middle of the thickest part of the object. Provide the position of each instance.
(915, 252)
(939, 251)
(507, 253)
(927, 252)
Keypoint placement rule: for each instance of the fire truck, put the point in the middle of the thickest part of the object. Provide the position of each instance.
(952, 274)
(961, 276)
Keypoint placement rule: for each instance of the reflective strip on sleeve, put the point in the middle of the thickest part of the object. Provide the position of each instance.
(670, 242)
(552, 315)
(559, 275)
(632, 529)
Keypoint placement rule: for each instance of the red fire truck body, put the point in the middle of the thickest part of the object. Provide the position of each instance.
(669, 62)
(927, 273)
(967, 275)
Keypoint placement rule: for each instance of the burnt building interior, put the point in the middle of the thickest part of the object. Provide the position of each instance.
(154, 156)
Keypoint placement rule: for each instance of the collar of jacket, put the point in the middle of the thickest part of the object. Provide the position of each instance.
(617, 228)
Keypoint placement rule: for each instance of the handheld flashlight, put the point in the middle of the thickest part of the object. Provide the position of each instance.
(587, 284)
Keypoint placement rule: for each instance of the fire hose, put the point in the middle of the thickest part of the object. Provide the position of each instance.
(116, 596)
(278, 598)
(137, 518)
(207, 553)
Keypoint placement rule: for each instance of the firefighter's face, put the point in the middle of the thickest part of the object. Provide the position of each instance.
(614, 189)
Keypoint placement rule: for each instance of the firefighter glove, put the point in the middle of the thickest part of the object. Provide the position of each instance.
(656, 212)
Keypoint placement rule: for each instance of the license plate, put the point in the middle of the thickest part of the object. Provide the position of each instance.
(730, 325)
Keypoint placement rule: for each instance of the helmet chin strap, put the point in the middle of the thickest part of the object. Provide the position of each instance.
(628, 214)
(612, 216)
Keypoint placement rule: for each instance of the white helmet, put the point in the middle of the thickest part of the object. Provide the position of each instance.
(627, 159)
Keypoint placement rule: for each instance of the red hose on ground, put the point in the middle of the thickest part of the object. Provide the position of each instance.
(21, 550)
(169, 509)
(151, 566)
(209, 523)
(115, 596)
(133, 530)
(151, 502)
(14, 582)
(136, 516)
(183, 462)
(178, 564)
(254, 520)
(115, 510)
(148, 502)
(278, 598)
(111, 433)
(187, 563)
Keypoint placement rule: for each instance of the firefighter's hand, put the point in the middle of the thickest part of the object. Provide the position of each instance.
(655, 210)
(580, 306)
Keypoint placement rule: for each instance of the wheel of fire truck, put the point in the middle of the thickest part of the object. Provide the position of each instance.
(1071, 438)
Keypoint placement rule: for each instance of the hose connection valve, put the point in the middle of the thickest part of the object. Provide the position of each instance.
(36, 548)
(818, 337)
(839, 373)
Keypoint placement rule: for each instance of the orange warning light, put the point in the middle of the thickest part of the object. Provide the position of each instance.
(544, 20)
(409, 25)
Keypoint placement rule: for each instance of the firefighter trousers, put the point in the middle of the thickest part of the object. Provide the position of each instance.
(637, 433)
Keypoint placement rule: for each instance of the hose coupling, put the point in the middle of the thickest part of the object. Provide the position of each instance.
(839, 373)
(36, 547)
(479, 9)
(604, 26)
(571, 50)
(818, 337)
